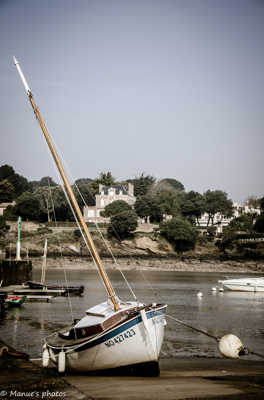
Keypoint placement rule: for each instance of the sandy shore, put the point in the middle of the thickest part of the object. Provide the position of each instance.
(154, 264)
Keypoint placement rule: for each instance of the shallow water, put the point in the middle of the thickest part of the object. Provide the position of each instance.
(217, 313)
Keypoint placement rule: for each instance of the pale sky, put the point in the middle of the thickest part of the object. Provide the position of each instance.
(171, 88)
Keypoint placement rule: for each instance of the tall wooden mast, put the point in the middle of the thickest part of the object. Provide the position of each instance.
(69, 191)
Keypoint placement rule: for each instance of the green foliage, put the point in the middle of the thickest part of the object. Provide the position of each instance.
(20, 184)
(43, 194)
(192, 206)
(6, 191)
(227, 241)
(122, 225)
(259, 224)
(28, 207)
(3, 226)
(105, 179)
(216, 201)
(117, 207)
(172, 183)
(179, 233)
(169, 202)
(243, 223)
(6, 171)
(84, 195)
(83, 181)
(142, 184)
(261, 204)
(46, 181)
(148, 206)
(77, 234)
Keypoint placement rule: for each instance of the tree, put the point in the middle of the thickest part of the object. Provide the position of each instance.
(61, 205)
(216, 201)
(82, 181)
(243, 223)
(43, 194)
(117, 207)
(228, 239)
(105, 179)
(192, 206)
(28, 207)
(148, 207)
(259, 224)
(169, 202)
(6, 191)
(172, 184)
(46, 181)
(253, 202)
(84, 195)
(19, 183)
(261, 204)
(3, 226)
(142, 184)
(122, 225)
(6, 171)
(180, 233)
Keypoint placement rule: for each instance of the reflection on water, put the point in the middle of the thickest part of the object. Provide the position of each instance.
(217, 313)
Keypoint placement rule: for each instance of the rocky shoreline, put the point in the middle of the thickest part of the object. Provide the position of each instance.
(154, 264)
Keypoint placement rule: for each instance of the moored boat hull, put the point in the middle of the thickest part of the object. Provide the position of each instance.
(244, 284)
(135, 341)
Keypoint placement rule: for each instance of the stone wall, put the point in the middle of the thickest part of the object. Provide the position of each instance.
(15, 272)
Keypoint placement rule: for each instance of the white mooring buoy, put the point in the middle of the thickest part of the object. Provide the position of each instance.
(230, 346)
(199, 294)
(45, 357)
(61, 361)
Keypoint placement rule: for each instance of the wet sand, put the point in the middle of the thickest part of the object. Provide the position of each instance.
(180, 379)
(198, 378)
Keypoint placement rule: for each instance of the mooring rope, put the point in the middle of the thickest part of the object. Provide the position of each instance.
(246, 349)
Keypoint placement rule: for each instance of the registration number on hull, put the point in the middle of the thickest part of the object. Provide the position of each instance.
(120, 338)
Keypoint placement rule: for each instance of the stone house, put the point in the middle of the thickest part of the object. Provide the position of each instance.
(106, 196)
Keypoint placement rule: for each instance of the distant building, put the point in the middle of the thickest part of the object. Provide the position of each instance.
(220, 221)
(3, 206)
(106, 196)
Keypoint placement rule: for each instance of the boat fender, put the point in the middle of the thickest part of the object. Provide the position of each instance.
(45, 357)
(61, 361)
(230, 346)
(3, 350)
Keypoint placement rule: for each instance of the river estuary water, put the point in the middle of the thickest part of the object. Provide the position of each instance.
(217, 313)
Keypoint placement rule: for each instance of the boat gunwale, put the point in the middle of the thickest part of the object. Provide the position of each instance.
(110, 331)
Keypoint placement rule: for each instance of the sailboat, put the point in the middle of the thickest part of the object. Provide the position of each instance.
(42, 285)
(111, 334)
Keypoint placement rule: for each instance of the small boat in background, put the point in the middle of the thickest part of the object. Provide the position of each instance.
(42, 285)
(76, 290)
(14, 300)
(244, 284)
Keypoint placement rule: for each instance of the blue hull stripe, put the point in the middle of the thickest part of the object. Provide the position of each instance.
(120, 329)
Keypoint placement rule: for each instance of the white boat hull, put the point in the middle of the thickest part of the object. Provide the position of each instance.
(135, 341)
(244, 284)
